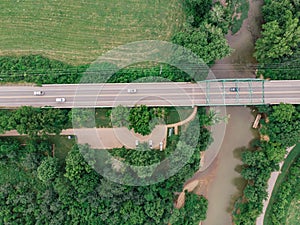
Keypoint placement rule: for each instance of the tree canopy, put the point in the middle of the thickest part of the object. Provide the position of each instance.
(48, 169)
(207, 41)
(284, 131)
(34, 121)
(277, 50)
(44, 192)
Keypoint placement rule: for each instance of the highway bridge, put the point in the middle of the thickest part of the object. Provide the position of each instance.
(205, 93)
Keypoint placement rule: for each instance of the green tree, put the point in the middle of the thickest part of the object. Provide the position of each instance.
(81, 175)
(48, 169)
(132, 213)
(82, 117)
(139, 119)
(207, 41)
(277, 10)
(155, 210)
(274, 152)
(255, 158)
(195, 207)
(8, 149)
(53, 121)
(197, 10)
(220, 16)
(284, 125)
(5, 116)
(120, 116)
(37, 121)
(26, 120)
(282, 113)
(277, 42)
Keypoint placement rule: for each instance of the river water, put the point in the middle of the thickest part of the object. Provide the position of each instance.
(225, 186)
(222, 182)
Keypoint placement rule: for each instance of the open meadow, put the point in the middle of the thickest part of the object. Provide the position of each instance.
(78, 32)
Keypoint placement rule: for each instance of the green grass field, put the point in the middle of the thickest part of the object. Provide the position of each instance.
(79, 31)
(62, 146)
(101, 118)
(294, 212)
(176, 115)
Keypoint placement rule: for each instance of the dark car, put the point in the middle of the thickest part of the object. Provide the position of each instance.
(234, 89)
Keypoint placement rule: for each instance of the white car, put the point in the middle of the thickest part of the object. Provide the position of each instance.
(161, 146)
(150, 144)
(131, 90)
(60, 99)
(38, 93)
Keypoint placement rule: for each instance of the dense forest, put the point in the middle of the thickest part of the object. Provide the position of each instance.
(280, 129)
(37, 189)
(278, 50)
(288, 190)
(34, 122)
(205, 29)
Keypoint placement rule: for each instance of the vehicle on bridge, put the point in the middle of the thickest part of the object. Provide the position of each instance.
(234, 89)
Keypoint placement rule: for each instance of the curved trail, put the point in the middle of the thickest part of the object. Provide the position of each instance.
(271, 185)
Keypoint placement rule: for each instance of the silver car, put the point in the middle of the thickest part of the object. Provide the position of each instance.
(131, 91)
(60, 100)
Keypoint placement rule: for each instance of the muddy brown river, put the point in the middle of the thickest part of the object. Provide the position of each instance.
(225, 186)
(223, 183)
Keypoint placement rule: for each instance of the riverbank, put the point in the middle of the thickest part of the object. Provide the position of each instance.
(241, 63)
(222, 183)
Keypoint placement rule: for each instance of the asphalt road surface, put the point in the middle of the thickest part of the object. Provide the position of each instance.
(152, 94)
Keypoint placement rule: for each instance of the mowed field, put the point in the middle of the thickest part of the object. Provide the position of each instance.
(78, 31)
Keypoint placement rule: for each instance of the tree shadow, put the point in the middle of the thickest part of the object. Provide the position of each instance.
(238, 169)
(237, 153)
(240, 184)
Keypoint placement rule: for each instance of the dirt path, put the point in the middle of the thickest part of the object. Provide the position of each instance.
(180, 123)
(108, 138)
(271, 184)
